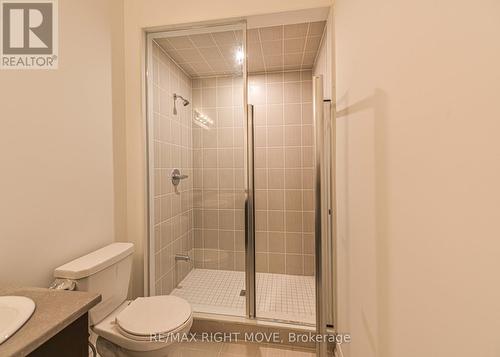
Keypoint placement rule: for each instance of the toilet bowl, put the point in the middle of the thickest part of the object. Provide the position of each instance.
(146, 326)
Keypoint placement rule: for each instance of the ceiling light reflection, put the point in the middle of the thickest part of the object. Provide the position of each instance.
(240, 55)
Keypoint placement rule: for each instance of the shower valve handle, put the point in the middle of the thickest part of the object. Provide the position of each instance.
(177, 177)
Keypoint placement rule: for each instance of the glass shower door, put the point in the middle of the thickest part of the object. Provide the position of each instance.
(197, 124)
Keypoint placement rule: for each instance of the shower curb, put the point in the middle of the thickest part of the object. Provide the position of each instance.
(240, 326)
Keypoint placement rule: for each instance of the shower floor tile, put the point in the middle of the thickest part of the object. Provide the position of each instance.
(279, 296)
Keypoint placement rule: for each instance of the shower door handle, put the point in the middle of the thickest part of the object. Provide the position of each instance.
(250, 216)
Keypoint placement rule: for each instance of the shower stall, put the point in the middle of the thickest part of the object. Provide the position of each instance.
(239, 209)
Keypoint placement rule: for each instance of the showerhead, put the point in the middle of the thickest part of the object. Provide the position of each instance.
(185, 102)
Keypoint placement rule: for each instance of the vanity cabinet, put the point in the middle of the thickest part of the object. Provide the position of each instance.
(71, 341)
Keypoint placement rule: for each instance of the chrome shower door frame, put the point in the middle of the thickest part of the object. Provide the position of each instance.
(324, 222)
(179, 30)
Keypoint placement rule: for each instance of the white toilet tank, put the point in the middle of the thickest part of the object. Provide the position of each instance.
(105, 271)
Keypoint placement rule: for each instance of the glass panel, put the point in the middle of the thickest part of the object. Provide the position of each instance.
(284, 195)
(198, 226)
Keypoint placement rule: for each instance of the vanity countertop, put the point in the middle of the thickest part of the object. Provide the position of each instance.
(55, 310)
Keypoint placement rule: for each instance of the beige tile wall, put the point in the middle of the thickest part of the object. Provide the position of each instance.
(218, 173)
(283, 171)
(172, 145)
(204, 218)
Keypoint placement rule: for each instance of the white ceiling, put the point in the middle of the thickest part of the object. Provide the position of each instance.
(269, 49)
(208, 54)
(288, 47)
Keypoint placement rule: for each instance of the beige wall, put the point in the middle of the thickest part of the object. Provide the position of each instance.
(418, 177)
(56, 183)
(140, 14)
(119, 124)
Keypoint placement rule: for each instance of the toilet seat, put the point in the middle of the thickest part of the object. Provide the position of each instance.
(141, 343)
(155, 315)
(162, 336)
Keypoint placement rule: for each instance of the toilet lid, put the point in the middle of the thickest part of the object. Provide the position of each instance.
(154, 315)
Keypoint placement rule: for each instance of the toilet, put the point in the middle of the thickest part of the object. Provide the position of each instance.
(146, 326)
